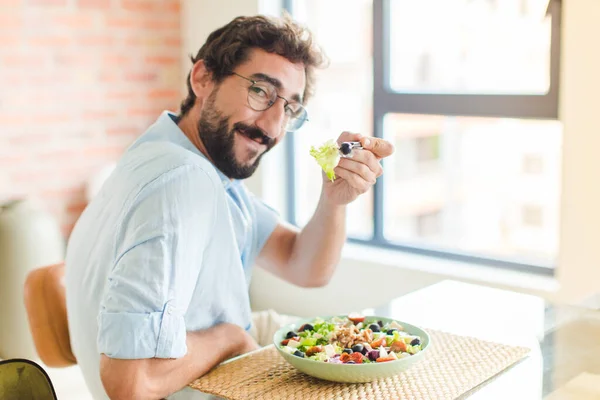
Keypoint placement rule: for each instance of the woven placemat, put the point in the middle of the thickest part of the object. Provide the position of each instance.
(453, 366)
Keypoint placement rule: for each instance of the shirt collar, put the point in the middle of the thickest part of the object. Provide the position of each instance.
(166, 127)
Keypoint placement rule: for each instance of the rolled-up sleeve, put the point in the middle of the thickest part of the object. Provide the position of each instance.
(159, 251)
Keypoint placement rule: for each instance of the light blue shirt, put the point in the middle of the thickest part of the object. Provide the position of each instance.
(166, 246)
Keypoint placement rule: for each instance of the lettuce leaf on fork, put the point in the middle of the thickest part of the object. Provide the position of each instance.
(327, 156)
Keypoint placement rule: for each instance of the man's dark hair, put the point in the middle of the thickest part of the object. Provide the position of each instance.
(230, 45)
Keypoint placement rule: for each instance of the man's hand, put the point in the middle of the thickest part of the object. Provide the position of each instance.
(356, 175)
(309, 258)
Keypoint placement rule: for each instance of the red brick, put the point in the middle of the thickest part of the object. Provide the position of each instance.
(8, 41)
(174, 7)
(107, 152)
(27, 139)
(50, 66)
(10, 75)
(49, 80)
(34, 178)
(123, 131)
(141, 76)
(14, 82)
(52, 118)
(120, 95)
(116, 60)
(150, 113)
(98, 114)
(47, 2)
(14, 4)
(108, 77)
(162, 60)
(98, 4)
(96, 40)
(150, 7)
(57, 156)
(11, 120)
(75, 21)
(160, 24)
(163, 94)
(172, 41)
(74, 59)
(12, 160)
(139, 5)
(23, 60)
(134, 41)
(10, 22)
(50, 41)
(146, 41)
(71, 173)
(120, 22)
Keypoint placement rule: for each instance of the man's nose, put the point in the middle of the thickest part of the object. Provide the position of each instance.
(272, 120)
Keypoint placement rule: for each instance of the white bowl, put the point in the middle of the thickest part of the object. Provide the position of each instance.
(352, 373)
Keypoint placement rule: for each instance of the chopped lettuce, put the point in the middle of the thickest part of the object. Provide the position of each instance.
(327, 156)
(413, 349)
(389, 340)
(308, 342)
(324, 328)
(397, 336)
(319, 357)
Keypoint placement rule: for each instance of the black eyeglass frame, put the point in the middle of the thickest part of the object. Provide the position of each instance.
(289, 126)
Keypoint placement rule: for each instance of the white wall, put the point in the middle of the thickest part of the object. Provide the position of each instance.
(387, 274)
(579, 272)
(200, 17)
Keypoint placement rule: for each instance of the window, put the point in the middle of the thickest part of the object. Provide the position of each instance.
(533, 164)
(532, 216)
(467, 90)
(467, 47)
(429, 224)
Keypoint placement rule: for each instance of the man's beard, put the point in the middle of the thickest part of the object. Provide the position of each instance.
(219, 141)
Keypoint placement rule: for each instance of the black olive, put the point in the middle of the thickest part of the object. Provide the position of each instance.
(358, 348)
(291, 334)
(306, 327)
(349, 351)
(375, 328)
(350, 362)
(415, 342)
(391, 331)
(299, 353)
(380, 323)
(345, 148)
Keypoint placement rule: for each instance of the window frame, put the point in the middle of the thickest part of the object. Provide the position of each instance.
(386, 101)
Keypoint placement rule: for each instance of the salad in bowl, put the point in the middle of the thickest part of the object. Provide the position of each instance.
(351, 348)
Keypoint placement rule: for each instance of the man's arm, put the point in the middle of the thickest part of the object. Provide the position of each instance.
(156, 378)
(146, 350)
(308, 258)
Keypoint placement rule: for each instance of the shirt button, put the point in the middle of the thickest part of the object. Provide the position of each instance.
(170, 310)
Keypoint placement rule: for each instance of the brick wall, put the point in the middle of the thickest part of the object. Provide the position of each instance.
(79, 80)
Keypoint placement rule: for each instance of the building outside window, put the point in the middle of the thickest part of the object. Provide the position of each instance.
(467, 91)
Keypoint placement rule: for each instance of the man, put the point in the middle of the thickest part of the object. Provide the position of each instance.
(158, 265)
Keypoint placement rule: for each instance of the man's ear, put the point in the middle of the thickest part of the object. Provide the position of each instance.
(201, 80)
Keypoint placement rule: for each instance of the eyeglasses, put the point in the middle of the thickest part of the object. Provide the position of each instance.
(262, 95)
